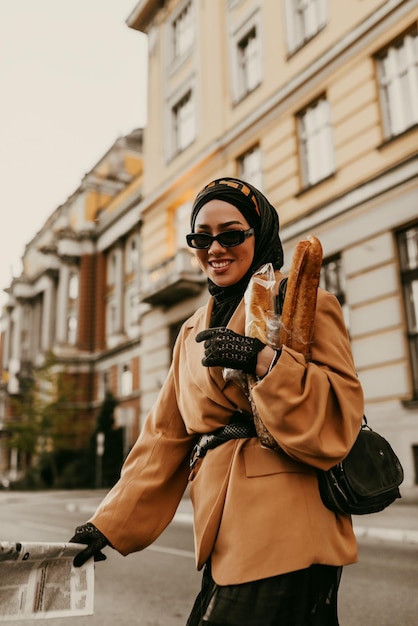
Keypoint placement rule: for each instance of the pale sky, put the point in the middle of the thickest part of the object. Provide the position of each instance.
(72, 80)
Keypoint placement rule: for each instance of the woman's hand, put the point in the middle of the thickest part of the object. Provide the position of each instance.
(226, 348)
(94, 540)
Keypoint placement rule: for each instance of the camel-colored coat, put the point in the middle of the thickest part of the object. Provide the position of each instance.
(257, 512)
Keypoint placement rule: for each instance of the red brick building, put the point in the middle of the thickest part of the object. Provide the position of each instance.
(77, 299)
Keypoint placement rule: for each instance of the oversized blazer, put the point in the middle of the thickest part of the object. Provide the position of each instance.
(257, 511)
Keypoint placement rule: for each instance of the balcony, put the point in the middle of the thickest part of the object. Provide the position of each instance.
(173, 280)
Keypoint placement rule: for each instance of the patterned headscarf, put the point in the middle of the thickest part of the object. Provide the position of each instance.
(261, 216)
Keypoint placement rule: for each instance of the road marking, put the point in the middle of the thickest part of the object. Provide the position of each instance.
(173, 551)
(390, 534)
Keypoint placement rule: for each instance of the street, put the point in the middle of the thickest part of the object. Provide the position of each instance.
(157, 587)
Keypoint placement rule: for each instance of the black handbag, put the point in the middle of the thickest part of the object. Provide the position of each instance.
(367, 480)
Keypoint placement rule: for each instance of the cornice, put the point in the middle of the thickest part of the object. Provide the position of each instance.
(143, 13)
(390, 179)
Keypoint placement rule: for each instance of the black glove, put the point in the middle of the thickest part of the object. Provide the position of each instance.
(226, 348)
(94, 540)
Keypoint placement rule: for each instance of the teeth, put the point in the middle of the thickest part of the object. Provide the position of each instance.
(219, 264)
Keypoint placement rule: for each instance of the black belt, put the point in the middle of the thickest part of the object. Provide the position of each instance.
(234, 430)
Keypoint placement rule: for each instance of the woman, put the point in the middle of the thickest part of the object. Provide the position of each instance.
(271, 552)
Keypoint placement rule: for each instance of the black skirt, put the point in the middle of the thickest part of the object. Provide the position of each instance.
(306, 597)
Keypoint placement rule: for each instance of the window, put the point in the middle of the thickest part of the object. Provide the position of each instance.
(250, 167)
(304, 19)
(125, 420)
(73, 287)
(183, 122)
(132, 255)
(126, 381)
(72, 318)
(104, 384)
(246, 58)
(132, 311)
(111, 268)
(249, 62)
(182, 31)
(72, 330)
(111, 317)
(316, 143)
(398, 84)
(408, 256)
(333, 280)
(182, 224)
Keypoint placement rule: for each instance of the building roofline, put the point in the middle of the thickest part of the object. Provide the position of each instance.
(143, 13)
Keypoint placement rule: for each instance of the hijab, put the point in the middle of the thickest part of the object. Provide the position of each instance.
(263, 217)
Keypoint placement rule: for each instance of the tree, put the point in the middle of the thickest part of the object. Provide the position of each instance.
(44, 421)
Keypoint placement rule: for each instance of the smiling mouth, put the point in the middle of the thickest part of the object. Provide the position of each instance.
(218, 265)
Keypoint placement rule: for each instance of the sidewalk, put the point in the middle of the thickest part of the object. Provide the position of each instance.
(399, 522)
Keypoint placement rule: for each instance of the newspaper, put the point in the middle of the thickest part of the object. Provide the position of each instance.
(38, 581)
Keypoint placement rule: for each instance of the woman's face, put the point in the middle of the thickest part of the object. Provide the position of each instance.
(224, 266)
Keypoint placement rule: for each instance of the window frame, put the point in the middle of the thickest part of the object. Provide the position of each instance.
(72, 328)
(131, 310)
(111, 317)
(409, 277)
(181, 224)
(179, 53)
(73, 294)
(124, 388)
(337, 287)
(318, 139)
(296, 36)
(111, 268)
(250, 174)
(103, 384)
(176, 147)
(240, 87)
(394, 73)
(73, 286)
(132, 258)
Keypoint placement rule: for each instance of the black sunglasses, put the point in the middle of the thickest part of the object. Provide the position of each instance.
(227, 239)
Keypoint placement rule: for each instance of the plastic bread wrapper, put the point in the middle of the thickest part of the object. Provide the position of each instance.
(261, 320)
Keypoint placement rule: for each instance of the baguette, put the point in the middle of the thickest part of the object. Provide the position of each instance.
(298, 313)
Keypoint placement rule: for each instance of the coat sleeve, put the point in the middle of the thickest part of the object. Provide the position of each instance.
(153, 478)
(314, 410)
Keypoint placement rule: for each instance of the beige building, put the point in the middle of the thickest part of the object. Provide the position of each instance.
(315, 102)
